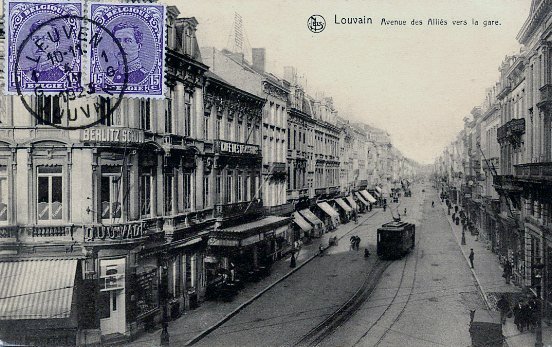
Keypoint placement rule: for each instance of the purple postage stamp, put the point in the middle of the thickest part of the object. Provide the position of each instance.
(43, 50)
(140, 30)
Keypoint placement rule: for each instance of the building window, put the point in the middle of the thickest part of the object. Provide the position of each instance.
(239, 132)
(104, 111)
(240, 186)
(48, 110)
(189, 271)
(169, 186)
(188, 41)
(206, 192)
(3, 194)
(146, 194)
(229, 130)
(168, 114)
(187, 114)
(206, 124)
(218, 128)
(229, 187)
(145, 114)
(247, 188)
(218, 189)
(187, 190)
(111, 193)
(49, 193)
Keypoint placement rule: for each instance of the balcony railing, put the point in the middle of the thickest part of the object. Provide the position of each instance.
(39, 233)
(534, 171)
(280, 210)
(238, 209)
(511, 131)
(277, 168)
(545, 96)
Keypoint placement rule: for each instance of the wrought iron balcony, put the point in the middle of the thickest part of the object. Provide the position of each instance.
(232, 210)
(280, 210)
(40, 233)
(511, 131)
(534, 171)
(277, 169)
(545, 96)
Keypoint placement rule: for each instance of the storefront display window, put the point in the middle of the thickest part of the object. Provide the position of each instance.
(147, 291)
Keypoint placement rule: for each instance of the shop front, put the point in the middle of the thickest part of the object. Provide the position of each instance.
(368, 197)
(351, 201)
(302, 230)
(329, 216)
(39, 303)
(317, 224)
(364, 205)
(345, 211)
(244, 253)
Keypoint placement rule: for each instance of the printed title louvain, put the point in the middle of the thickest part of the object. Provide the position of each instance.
(353, 20)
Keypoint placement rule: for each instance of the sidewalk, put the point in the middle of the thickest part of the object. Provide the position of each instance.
(488, 274)
(211, 313)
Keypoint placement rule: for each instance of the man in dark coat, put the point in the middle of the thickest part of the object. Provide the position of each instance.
(472, 257)
(504, 307)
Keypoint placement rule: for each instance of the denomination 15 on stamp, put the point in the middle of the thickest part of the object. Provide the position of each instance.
(48, 49)
(140, 30)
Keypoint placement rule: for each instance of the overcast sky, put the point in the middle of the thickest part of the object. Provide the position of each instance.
(416, 82)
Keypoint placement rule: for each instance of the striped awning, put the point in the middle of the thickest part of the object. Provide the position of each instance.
(378, 189)
(352, 202)
(343, 205)
(368, 196)
(301, 222)
(38, 288)
(361, 198)
(329, 210)
(311, 217)
(249, 233)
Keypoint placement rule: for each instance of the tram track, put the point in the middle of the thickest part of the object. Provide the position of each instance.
(344, 312)
(399, 315)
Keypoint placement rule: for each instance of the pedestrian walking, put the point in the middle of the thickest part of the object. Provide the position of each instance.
(320, 250)
(293, 262)
(433, 204)
(517, 316)
(366, 253)
(357, 243)
(405, 211)
(352, 240)
(507, 271)
(472, 257)
(504, 307)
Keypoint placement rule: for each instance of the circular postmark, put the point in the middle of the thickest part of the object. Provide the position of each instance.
(316, 23)
(46, 36)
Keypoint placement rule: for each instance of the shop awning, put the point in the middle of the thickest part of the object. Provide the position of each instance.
(249, 233)
(301, 222)
(328, 209)
(38, 288)
(352, 202)
(343, 205)
(311, 217)
(361, 198)
(368, 196)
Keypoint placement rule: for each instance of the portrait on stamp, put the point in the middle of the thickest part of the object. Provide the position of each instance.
(43, 48)
(140, 31)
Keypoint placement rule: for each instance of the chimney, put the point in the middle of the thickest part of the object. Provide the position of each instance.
(290, 75)
(259, 59)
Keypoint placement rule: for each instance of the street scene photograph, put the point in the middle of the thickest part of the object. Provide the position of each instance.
(330, 173)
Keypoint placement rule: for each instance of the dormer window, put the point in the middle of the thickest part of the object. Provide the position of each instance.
(188, 40)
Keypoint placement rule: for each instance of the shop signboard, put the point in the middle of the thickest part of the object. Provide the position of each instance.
(111, 135)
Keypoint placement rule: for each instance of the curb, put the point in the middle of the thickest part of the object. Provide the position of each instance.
(209, 330)
(474, 274)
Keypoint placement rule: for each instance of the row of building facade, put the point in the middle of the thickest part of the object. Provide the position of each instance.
(104, 227)
(499, 167)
